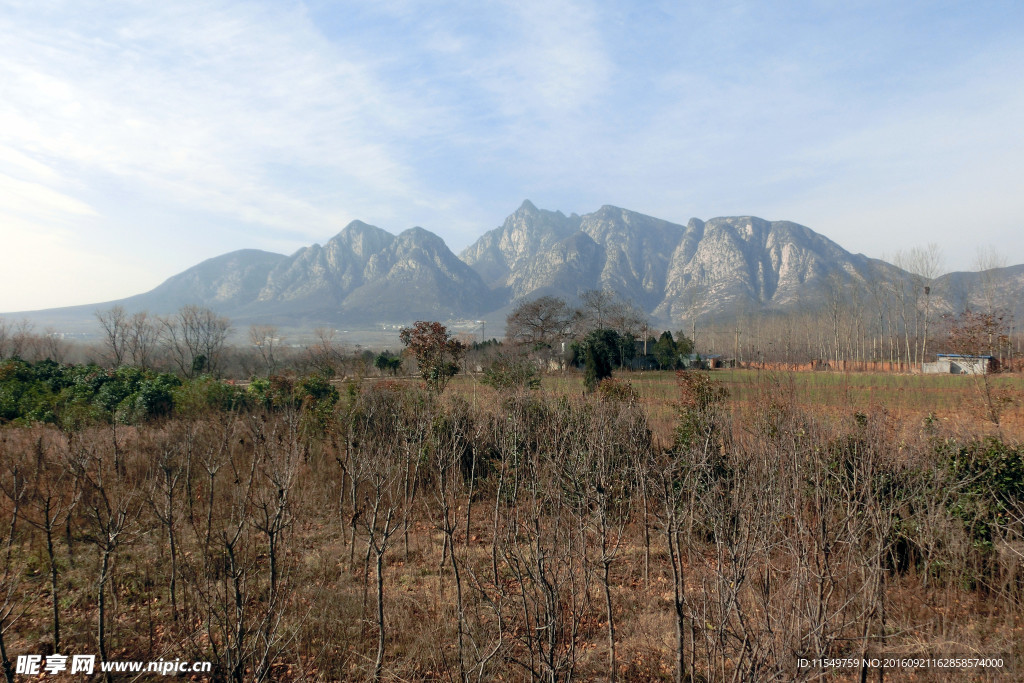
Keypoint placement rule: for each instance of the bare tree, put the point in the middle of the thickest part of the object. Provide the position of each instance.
(604, 309)
(278, 451)
(599, 473)
(324, 355)
(13, 484)
(114, 325)
(986, 262)
(384, 473)
(49, 497)
(539, 324)
(112, 507)
(194, 337)
(163, 498)
(924, 265)
(979, 335)
(540, 542)
(694, 296)
(267, 341)
(15, 339)
(46, 346)
(452, 445)
(627, 318)
(687, 476)
(143, 337)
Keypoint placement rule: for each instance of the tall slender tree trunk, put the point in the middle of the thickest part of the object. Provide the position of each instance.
(378, 665)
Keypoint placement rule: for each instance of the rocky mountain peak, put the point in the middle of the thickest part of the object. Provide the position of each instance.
(361, 240)
(420, 236)
(365, 274)
(524, 234)
(527, 207)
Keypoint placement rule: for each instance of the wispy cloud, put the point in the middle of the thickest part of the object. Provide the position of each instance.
(209, 108)
(249, 123)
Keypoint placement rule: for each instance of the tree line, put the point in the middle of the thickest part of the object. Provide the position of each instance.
(899, 319)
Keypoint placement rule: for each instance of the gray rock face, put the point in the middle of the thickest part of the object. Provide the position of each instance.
(636, 252)
(362, 276)
(365, 275)
(222, 282)
(724, 264)
(754, 264)
(503, 252)
(327, 274)
(416, 277)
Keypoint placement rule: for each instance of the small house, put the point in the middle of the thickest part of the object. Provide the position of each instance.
(959, 364)
(696, 361)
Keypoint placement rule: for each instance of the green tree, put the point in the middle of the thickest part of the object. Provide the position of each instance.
(684, 345)
(598, 349)
(436, 353)
(666, 352)
(385, 362)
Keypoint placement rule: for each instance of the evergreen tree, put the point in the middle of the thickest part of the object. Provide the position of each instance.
(598, 349)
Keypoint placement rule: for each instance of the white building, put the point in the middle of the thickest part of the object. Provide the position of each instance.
(958, 364)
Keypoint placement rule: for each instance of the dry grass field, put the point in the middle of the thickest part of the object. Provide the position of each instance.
(957, 401)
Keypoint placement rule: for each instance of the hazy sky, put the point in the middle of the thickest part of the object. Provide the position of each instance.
(139, 138)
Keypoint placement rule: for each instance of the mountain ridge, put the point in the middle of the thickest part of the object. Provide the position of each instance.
(364, 275)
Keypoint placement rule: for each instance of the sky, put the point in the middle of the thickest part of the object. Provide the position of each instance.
(138, 138)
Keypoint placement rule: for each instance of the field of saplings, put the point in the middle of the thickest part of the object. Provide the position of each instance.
(298, 530)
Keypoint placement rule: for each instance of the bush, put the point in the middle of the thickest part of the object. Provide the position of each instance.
(199, 395)
(993, 476)
(315, 389)
(155, 397)
(617, 390)
(701, 406)
(511, 373)
(259, 392)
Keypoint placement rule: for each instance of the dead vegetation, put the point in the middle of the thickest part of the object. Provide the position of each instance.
(528, 536)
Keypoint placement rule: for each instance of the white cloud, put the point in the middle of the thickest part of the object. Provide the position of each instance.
(39, 201)
(212, 109)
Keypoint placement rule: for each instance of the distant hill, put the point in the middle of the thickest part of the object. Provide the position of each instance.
(365, 276)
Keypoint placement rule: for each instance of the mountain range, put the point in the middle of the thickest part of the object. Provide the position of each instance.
(365, 276)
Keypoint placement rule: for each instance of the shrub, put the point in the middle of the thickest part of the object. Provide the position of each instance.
(617, 390)
(204, 393)
(315, 389)
(700, 407)
(511, 373)
(992, 473)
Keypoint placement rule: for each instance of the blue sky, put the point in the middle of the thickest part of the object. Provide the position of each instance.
(139, 138)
